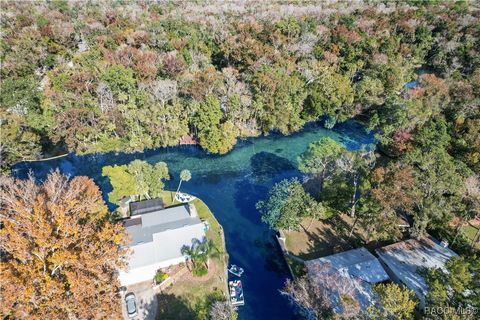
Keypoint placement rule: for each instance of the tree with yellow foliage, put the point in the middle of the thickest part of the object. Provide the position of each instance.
(59, 251)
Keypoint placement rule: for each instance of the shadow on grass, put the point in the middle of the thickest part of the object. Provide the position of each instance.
(323, 238)
(171, 307)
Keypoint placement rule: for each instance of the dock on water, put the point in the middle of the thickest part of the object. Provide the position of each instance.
(236, 293)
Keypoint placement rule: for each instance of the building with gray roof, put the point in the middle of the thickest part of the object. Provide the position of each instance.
(405, 260)
(158, 236)
(349, 273)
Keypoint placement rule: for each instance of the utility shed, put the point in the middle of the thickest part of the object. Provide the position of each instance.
(405, 260)
(352, 272)
(157, 239)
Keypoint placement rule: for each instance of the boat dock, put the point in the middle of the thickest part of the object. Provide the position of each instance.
(236, 293)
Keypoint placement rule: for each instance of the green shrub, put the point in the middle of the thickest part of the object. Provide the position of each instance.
(160, 276)
(199, 270)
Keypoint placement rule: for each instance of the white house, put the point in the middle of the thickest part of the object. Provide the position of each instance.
(158, 236)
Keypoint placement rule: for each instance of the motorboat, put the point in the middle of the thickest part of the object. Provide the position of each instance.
(236, 293)
(235, 270)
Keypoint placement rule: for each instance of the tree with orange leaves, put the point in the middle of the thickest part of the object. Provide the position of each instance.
(59, 251)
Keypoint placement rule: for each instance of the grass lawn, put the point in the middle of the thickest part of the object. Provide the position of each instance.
(470, 231)
(317, 238)
(187, 295)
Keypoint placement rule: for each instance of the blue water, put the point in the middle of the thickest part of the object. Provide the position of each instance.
(230, 185)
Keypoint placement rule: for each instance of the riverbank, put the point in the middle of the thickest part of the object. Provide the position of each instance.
(230, 185)
(189, 296)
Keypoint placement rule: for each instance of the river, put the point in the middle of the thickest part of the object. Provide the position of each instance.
(230, 185)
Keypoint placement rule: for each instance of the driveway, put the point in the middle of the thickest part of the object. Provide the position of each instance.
(146, 301)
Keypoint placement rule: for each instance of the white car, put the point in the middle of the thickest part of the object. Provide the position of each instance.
(131, 304)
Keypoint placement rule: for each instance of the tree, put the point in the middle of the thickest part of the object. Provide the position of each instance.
(471, 204)
(214, 136)
(287, 205)
(457, 286)
(354, 166)
(438, 188)
(199, 253)
(17, 141)
(148, 178)
(120, 80)
(138, 178)
(394, 302)
(123, 182)
(60, 252)
(319, 158)
(158, 173)
(330, 94)
(185, 175)
(141, 171)
(309, 298)
(278, 99)
(222, 310)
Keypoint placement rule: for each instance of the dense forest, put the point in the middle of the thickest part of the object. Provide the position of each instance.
(116, 76)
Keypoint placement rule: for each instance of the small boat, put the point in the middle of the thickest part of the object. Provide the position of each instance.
(236, 293)
(184, 198)
(234, 269)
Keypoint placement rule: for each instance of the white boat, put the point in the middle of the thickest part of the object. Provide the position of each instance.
(184, 198)
(234, 269)
(236, 293)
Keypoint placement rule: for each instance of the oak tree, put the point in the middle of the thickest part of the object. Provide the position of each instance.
(60, 252)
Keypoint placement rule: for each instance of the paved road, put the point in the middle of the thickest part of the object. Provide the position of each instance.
(146, 302)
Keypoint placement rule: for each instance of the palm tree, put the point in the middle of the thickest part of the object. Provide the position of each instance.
(192, 254)
(185, 175)
(199, 254)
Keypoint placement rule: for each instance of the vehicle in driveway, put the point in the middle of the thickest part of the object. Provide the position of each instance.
(131, 304)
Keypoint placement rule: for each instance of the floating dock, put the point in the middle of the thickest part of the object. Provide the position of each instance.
(236, 293)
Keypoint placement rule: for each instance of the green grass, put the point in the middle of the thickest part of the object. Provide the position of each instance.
(470, 231)
(184, 298)
(168, 197)
(315, 239)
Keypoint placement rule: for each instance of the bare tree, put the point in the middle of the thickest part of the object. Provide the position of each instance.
(105, 97)
(325, 290)
(222, 310)
(162, 90)
(308, 297)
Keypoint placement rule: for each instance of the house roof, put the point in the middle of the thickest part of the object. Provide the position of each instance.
(146, 206)
(405, 259)
(160, 235)
(360, 263)
(357, 269)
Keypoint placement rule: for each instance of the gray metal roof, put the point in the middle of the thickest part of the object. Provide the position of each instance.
(407, 258)
(161, 235)
(160, 221)
(360, 263)
(358, 268)
(165, 246)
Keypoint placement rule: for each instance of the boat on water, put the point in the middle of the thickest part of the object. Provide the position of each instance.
(236, 293)
(235, 270)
